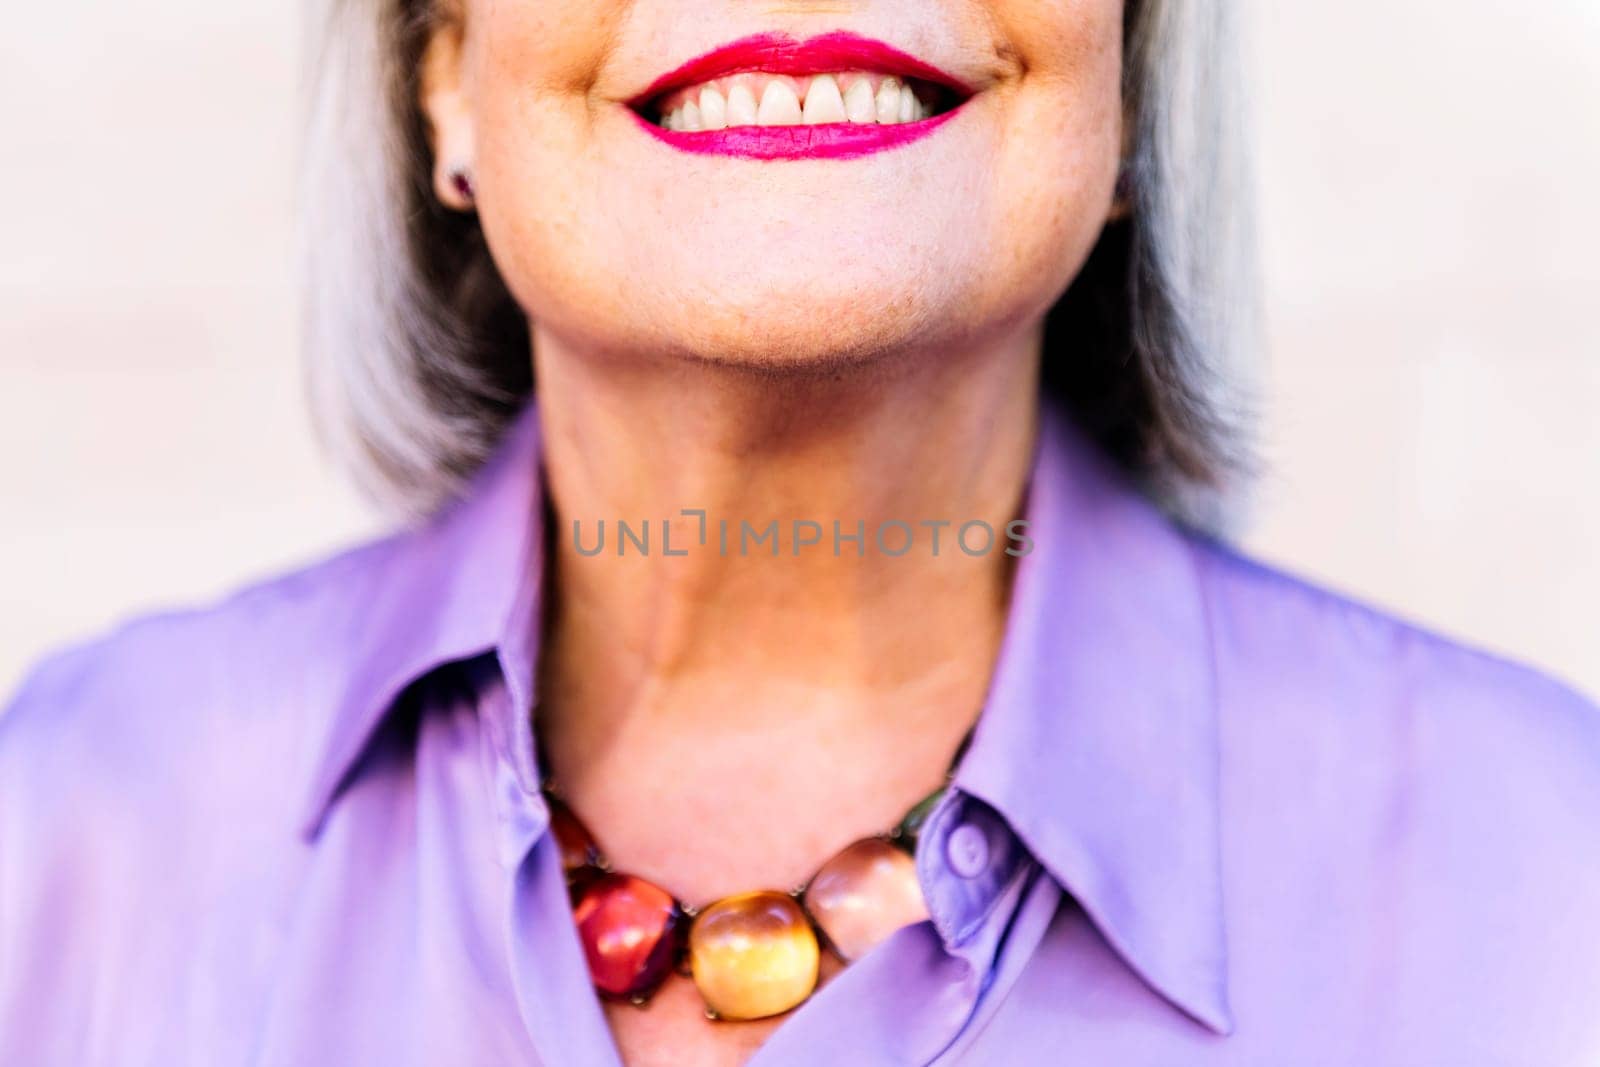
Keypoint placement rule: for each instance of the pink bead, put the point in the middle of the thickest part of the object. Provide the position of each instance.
(864, 894)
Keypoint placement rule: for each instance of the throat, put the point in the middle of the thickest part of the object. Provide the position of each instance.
(727, 718)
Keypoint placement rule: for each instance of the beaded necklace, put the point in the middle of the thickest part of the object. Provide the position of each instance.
(751, 955)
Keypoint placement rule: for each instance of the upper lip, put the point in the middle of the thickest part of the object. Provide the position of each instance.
(776, 53)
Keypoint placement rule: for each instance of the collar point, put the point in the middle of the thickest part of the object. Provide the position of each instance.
(1218, 1019)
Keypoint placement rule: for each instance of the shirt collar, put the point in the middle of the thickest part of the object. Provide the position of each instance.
(1098, 743)
(465, 583)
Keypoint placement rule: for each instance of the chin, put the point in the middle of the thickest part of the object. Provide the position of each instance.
(805, 327)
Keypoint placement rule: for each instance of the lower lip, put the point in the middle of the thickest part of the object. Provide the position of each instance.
(831, 140)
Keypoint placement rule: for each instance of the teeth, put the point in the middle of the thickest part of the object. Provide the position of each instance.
(779, 105)
(889, 101)
(859, 103)
(823, 102)
(761, 99)
(713, 110)
(741, 106)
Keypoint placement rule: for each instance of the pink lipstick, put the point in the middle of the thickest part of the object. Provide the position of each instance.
(861, 97)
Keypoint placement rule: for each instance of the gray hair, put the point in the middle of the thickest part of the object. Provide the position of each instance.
(419, 357)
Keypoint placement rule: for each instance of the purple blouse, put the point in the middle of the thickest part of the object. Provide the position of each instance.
(1210, 815)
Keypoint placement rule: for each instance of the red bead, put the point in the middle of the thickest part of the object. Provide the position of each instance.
(632, 933)
(578, 848)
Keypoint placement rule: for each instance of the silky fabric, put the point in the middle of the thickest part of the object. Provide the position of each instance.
(1210, 814)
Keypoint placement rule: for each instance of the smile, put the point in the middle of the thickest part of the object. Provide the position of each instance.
(838, 96)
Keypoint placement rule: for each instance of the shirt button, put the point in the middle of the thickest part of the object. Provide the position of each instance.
(967, 849)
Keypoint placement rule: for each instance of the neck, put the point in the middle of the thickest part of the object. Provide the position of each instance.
(824, 637)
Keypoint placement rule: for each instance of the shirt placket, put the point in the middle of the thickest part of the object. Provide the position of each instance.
(990, 901)
(563, 1018)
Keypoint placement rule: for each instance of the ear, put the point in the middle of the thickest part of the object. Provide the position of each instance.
(1123, 199)
(442, 96)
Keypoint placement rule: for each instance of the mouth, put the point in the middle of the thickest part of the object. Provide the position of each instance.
(769, 96)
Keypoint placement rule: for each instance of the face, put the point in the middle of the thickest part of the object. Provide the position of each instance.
(880, 176)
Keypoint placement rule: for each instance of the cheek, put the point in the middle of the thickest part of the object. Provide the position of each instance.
(548, 46)
(532, 69)
(1058, 140)
(1059, 157)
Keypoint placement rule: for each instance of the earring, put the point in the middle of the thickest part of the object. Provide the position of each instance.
(461, 182)
(1123, 196)
(1124, 190)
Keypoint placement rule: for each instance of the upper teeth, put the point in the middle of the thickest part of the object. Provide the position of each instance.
(757, 99)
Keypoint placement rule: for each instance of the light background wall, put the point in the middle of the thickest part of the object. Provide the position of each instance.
(1428, 175)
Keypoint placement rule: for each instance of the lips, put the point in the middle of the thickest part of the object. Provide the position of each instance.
(770, 96)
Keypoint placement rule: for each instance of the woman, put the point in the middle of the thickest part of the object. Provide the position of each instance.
(869, 341)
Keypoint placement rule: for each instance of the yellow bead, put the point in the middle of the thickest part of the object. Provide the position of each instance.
(753, 955)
